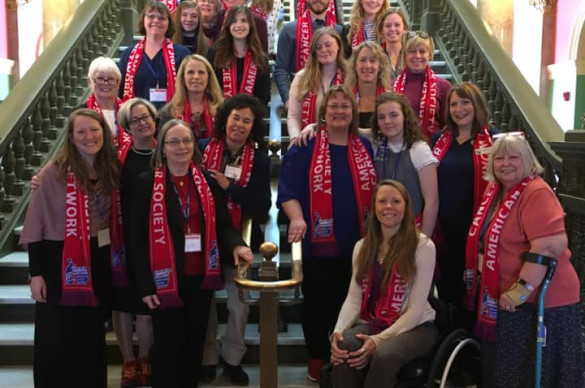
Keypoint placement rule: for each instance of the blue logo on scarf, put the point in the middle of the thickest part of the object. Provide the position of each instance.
(76, 275)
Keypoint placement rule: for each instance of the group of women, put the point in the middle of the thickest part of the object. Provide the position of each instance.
(107, 230)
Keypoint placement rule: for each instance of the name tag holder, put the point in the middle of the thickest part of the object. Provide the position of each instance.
(158, 95)
(104, 237)
(192, 242)
(233, 172)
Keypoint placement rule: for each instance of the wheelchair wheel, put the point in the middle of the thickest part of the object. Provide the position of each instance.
(446, 354)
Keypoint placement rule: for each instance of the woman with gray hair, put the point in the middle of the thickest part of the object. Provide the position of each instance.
(518, 226)
(103, 79)
(136, 116)
(179, 235)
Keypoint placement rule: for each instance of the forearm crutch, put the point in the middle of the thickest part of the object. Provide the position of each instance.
(551, 265)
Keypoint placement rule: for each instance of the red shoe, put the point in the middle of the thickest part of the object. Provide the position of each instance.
(144, 378)
(314, 369)
(129, 375)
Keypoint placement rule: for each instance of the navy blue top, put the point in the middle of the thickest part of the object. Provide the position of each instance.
(146, 78)
(294, 184)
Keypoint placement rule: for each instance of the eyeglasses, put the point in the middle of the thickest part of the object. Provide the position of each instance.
(505, 134)
(137, 120)
(414, 34)
(337, 107)
(157, 16)
(108, 80)
(174, 142)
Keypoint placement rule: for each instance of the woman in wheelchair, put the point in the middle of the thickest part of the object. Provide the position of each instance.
(386, 320)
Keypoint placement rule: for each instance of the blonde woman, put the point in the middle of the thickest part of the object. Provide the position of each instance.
(197, 97)
(366, 15)
(326, 67)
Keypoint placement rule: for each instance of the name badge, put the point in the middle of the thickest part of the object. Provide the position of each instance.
(157, 95)
(233, 172)
(104, 237)
(193, 242)
(483, 150)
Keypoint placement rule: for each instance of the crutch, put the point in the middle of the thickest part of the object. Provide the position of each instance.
(551, 265)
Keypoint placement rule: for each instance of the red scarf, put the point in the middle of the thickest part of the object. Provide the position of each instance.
(212, 158)
(489, 288)
(134, 62)
(259, 11)
(302, 7)
(321, 199)
(162, 254)
(122, 136)
(358, 37)
(388, 305)
(230, 77)
(481, 146)
(171, 4)
(76, 287)
(310, 102)
(208, 119)
(304, 34)
(428, 100)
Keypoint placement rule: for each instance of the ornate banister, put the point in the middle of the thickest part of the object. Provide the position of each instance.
(33, 114)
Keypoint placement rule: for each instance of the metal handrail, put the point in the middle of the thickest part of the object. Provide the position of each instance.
(258, 285)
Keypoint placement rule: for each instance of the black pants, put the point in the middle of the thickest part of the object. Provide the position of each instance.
(179, 334)
(325, 285)
(70, 347)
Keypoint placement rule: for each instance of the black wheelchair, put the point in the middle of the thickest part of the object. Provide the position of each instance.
(433, 370)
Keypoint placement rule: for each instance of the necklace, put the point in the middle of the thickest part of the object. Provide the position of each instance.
(145, 153)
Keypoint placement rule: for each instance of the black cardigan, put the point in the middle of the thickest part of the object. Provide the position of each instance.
(138, 234)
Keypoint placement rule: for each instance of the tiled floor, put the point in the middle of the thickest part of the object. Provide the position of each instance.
(288, 377)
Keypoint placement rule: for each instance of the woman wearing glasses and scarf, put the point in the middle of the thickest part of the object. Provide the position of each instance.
(149, 67)
(519, 223)
(179, 231)
(426, 92)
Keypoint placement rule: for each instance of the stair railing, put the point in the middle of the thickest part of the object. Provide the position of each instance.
(34, 113)
(269, 286)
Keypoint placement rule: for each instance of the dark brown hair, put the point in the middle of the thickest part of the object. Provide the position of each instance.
(224, 47)
(471, 92)
(412, 131)
(155, 5)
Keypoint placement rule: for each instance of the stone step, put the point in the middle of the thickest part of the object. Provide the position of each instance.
(16, 305)
(14, 268)
(16, 344)
(289, 376)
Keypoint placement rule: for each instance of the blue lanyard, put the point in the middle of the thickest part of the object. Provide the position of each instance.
(330, 84)
(154, 72)
(188, 209)
(101, 209)
(397, 158)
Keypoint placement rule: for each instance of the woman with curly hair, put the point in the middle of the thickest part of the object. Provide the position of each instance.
(326, 67)
(197, 97)
(236, 158)
(366, 15)
(190, 34)
(401, 153)
(240, 64)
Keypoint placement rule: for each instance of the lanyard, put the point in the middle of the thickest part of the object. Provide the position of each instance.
(397, 159)
(330, 84)
(101, 209)
(186, 211)
(154, 72)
